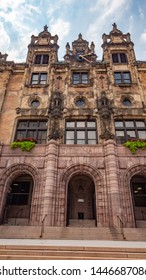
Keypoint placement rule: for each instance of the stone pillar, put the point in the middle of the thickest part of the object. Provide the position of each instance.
(49, 195)
(112, 178)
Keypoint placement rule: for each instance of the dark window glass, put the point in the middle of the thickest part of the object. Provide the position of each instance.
(41, 59)
(126, 102)
(129, 129)
(33, 129)
(35, 103)
(81, 132)
(19, 193)
(139, 192)
(122, 77)
(119, 58)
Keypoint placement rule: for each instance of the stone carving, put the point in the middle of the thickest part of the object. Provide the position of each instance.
(105, 109)
(55, 132)
(56, 105)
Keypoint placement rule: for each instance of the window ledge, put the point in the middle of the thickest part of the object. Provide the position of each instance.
(123, 85)
(81, 85)
(37, 86)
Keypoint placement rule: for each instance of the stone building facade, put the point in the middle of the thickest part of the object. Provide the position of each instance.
(80, 111)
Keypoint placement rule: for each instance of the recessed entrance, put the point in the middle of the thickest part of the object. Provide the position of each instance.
(81, 206)
(18, 201)
(138, 189)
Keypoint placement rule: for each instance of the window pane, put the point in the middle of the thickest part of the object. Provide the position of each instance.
(115, 58)
(80, 124)
(131, 133)
(43, 78)
(140, 124)
(90, 124)
(80, 134)
(31, 134)
(33, 124)
(69, 134)
(76, 78)
(70, 124)
(20, 134)
(120, 133)
(42, 135)
(118, 124)
(80, 141)
(91, 134)
(35, 78)
(129, 123)
(38, 59)
(123, 57)
(84, 78)
(91, 141)
(42, 124)
(117, 75)
(45, 59)
(142, 134)
(68, 141)
(22, 124)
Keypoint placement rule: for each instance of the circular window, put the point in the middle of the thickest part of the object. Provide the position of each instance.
(35, 103)
(80, 102)
(126, 102)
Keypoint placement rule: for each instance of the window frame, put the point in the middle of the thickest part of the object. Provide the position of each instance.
(40, 59)
(39, 80)
(118, 56)
(80, 79)
(126, 129)
(86, 129)
(122, 80)
(28, 128)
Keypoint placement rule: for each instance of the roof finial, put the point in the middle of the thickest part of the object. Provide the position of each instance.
(46, 28)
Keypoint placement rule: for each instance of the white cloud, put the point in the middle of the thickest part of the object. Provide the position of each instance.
(60, 27)
(143, 37)
(5, 39)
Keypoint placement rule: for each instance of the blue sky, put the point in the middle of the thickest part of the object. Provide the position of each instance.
(19, 19)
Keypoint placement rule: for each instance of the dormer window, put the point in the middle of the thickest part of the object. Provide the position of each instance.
(41, 59)
(119, 58)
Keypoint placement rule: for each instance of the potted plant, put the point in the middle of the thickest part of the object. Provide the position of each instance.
(25, 144)
(134, 144)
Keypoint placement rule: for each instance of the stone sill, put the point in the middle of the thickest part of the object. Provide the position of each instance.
(38, 150)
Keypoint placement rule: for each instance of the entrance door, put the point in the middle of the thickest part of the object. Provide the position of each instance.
(81, 200)
(18, 201)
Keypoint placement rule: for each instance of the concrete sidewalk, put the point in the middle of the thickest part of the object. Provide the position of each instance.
(84, 243)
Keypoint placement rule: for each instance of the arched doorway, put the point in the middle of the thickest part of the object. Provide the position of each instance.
(138, 189)
(81, 205)
(18, 201)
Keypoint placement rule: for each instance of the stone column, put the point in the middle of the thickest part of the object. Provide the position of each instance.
(112, 178)
(49, 195)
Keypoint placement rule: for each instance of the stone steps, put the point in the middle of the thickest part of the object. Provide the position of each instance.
(71, 233)
(36, 252)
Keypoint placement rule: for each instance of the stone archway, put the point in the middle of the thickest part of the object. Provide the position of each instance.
(101, 200)
(81, 203)
(18, 201)
(135, 181)
(16, 174)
